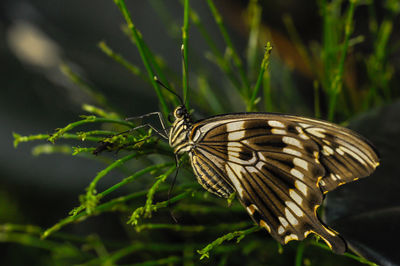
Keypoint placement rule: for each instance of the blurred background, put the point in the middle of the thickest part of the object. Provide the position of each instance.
(44, 39)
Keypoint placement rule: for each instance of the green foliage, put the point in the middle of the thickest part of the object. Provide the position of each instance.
(143, 146)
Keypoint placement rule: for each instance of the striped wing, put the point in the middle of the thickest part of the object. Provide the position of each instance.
(276, 164)
(346, 155)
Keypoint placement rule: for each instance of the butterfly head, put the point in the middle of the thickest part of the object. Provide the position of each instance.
(179, 133)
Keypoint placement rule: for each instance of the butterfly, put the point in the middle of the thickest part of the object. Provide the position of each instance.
(280, 166)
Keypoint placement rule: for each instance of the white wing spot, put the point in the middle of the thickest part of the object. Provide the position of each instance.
(283, 221)
(292, 152)
(252, 169)
(326, 142)
(355, 155)
(252, 208)
(304, 125)
(300, 163)
(301, 186)
(333, 177)
(303, 136)
(327, 150)
(237, 135)
(290, 217)
(233, 126)
(238, 128)
(265, 225)
(196, 136)
(297, 173)
(259, 165)
(235, 146)
(316, 131)
(261, 156)
(340, 151)
(306, 233)
(274, 123)
(322, 182)
(290, 237)
(277, 131)
(292, 141)
(296, 197)
(294, 208)
(234, 176)
(281, 230)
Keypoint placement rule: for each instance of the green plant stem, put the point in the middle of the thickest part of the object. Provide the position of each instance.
(133, 177)
(254, 11)
(91, 199)
(237, 234)
(87, 119)
(100, 112)
(264, 66)
(135, 247)
(83, 85)
(140, 45)
(337, 82)
(236, 58)
(219, 60)
(349, 255)
(185, 76)
(140, 211)
(153, 189)
(108, 206)
(122, 61)
(18, 138)
(191, 228)
(299, 254)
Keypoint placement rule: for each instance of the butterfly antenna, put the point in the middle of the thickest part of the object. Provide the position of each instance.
(172, 187)
(168, 89)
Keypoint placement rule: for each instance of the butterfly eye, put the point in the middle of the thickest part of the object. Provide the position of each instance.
(179, 112)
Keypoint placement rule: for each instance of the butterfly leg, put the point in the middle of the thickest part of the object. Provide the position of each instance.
(164, 132)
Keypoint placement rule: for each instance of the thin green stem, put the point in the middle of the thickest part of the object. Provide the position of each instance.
(87, 119)
(135, 247)
(146, 61)
(299, 254)
(154, 188)
(218, 57)
(254, 18)
(185, 70)
(122, 61)
(81, 215)
(236, 58)
(337, 82)
(237, 234)
(91, 199)
(134, 219)
(133, 177)
(18, 138)
(349, 255)
(191, 228)
(264, 66)
(88, 89)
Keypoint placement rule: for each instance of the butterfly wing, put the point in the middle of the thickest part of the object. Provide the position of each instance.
(275, 166)
(346, 155)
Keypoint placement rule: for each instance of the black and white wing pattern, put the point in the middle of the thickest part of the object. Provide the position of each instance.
(346, 155)
(279, 165)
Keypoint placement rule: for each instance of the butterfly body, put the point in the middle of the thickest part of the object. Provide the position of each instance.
(279, 165)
